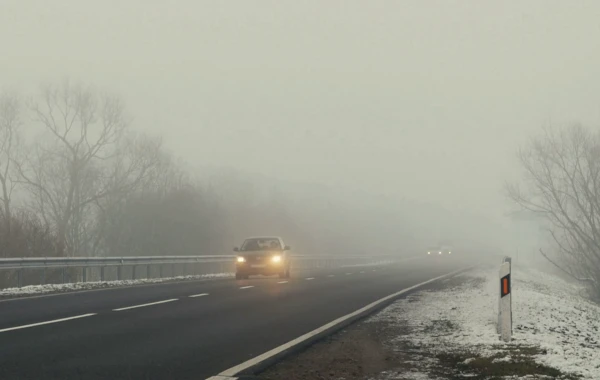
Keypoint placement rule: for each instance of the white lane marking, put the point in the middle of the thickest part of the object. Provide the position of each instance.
(331, 275)
(146, 304)
(374, 270)
(198, 295)
(362, 271)
(310, 278)
(282, 282)
(247, 287)
(348, 273)
(46, 323)
(269, 354)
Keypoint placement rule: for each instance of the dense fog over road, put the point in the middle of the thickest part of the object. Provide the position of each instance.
(364, 125)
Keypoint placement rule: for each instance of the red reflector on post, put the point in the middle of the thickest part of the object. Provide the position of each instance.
(505, 285)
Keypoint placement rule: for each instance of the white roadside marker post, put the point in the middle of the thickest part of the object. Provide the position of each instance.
(505, 305)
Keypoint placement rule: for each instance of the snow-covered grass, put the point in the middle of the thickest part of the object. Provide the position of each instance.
(555, 328)
(60, 288)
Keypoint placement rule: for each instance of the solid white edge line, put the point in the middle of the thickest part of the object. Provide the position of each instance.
(198, 295)
(282, 282)
(146, 304)
(252, 362)
(47, 322)
(348, 273)
(310, 278)
(247, 287)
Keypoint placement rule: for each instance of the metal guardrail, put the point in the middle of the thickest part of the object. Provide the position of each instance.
(48, 262)
(84, 269)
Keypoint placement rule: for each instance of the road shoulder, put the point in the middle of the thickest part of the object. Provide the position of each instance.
(448, 331)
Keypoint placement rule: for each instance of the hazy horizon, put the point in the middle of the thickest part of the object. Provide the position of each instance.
(424, 101)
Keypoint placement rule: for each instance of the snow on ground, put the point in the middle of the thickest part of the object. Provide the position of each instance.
(552, 321)
(59, 288)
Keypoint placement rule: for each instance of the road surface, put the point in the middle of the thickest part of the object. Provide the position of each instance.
(189, 330)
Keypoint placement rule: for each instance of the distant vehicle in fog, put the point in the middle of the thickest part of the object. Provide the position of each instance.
(439, 250)
(434, 250)
(262, 256)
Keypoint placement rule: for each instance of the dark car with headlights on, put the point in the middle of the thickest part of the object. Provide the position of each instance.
(262, 256)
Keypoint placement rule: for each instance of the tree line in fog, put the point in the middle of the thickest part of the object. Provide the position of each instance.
(560, 188)
(77, 180)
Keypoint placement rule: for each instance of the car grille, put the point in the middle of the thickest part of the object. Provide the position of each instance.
(257, 259)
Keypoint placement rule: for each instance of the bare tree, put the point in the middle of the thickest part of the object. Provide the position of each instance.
(137, 162)
(561, 183)
(10, 122)
(83, 157)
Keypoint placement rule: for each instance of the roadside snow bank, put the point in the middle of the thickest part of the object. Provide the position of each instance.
(60, 288)
(552, 322)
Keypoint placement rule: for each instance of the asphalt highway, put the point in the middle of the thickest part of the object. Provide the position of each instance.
(187, 330)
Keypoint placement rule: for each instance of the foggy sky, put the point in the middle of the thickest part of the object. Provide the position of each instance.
(424, 100)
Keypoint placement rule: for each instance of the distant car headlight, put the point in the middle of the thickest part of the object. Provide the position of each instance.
(429, 253)
(440, 252)
(241, 259)
(449, 252)
(276, 259)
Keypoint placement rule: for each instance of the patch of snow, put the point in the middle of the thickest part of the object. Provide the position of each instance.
(548, 313)
(506, 359)
(60, 288)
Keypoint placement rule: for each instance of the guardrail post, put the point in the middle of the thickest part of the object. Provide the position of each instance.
(102, 274)
(133, 272)
(148, 269)
(64, 275)
(505, 304)
(84, 274)
(119, 272)
(173, 270)
(19, 278)
(161, 270)
(43, 276)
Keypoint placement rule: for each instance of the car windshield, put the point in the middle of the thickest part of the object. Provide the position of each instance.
(261, 244)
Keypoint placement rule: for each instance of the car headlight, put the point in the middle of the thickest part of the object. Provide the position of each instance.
(429, 253)
(276, 259)
(440, 252)
(240, 259)
(449, 252)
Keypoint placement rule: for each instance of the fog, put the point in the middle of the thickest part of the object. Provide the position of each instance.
(395, 121)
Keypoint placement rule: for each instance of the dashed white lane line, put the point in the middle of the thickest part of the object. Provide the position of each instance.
(146, 304)
(374, 270)
(331, 275)
(198, 295)
(282, 282)
(247, 287)
(362, 271)
(46, 323)
(310, 278)
(348, 274)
